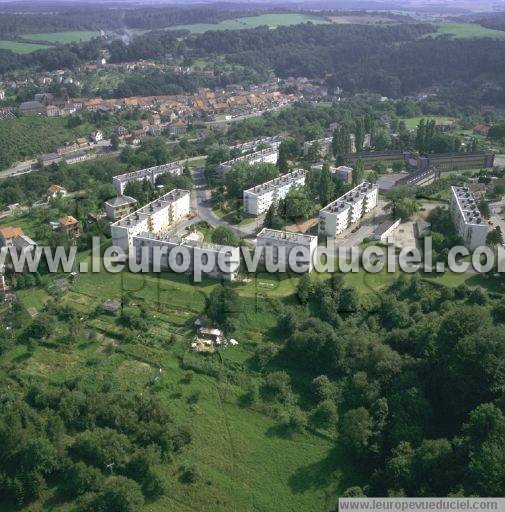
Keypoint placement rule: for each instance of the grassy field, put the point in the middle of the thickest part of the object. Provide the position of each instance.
(412, 122)
(245, 465)
(271, 20)
(467, 31)
(63, 37)
(17, 47)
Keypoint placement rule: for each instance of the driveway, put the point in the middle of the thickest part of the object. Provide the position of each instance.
(352, 237)
(201, 204)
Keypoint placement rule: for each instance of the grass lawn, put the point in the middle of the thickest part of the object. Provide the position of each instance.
(466, 31)
(18, 47)
(195, 163)
(33, 297)
(271, 20)
(63, 37)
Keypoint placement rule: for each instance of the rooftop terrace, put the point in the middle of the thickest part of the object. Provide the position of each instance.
(151, 208)
(144, 173)
(467, 205)
(297, 238)
(170, 237)
(348, 199)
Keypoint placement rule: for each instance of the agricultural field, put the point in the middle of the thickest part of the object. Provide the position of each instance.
(18, 47)
(361, 20)
(62, 37)
(466, 31)
(271, 20)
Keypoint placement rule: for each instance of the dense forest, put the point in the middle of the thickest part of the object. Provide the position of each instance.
(412, 377)
(496, 21)
(392, 60)
(97, 439)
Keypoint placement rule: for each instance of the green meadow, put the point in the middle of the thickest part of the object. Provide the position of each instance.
(412, 122)
(62, 37)
(467, 31)
(18, 47)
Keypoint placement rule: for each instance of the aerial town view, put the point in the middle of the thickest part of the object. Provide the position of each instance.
(252, 255)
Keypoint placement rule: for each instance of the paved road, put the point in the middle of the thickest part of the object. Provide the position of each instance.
(497, 220)
(202, 206)
(367, 226)
(257, 113)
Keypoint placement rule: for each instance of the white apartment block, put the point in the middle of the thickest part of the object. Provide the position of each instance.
(268, 156)
(281, 243)
(467, 219)
(154, 217)
(167, 242)
(119, 182)
(348, 209)
(253, 145)
(258, 200)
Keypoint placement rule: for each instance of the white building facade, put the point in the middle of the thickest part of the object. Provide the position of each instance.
(467, 219)
(348, 209)
(257, 200)
(253, 145)
(282, 243)
(150, 174)
(268, 156)
(154, 217)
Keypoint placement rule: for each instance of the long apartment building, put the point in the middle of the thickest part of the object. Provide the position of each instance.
(258, 199)
(348, 209)
(467, 219)
(147, 241)
(154, 217)
(457, 161)
(268, 155)
(253, 145)
(282, 243)
(370, 158)
(150, 174)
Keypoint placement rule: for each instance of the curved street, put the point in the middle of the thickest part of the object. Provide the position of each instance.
(201, 204)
